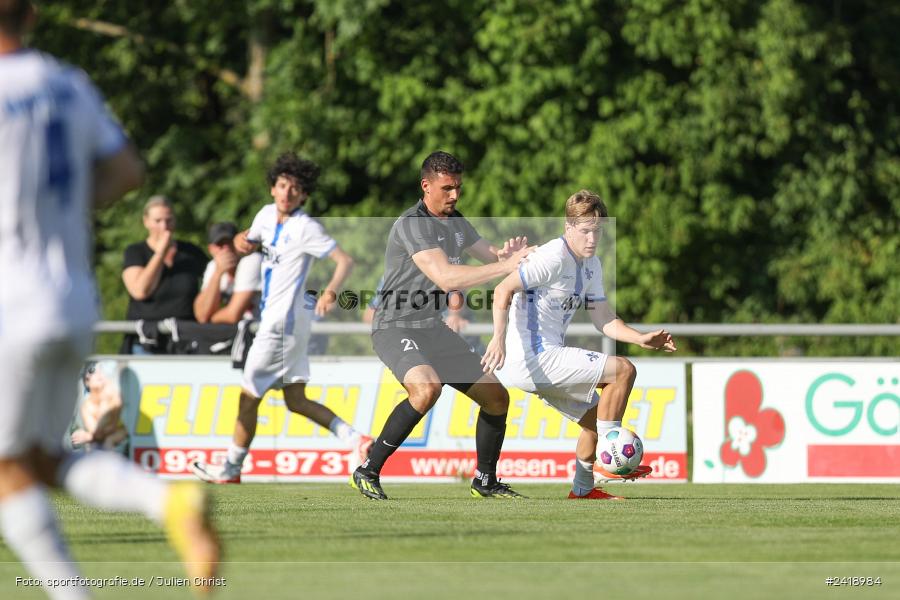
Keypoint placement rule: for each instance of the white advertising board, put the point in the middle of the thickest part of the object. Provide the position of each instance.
(780, 422)
(184, 410)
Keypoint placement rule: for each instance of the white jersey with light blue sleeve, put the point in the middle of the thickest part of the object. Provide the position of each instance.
(289, 250)
(556, 283)
(54, 127)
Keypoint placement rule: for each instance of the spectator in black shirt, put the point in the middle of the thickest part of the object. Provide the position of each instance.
(162, 275)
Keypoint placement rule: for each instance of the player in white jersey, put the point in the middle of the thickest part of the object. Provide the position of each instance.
(554, 281)
(290, 241)
(62, 152)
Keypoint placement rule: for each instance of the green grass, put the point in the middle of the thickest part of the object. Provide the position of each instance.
(434, 541)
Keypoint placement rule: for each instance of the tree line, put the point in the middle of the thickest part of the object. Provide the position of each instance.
(748, 149)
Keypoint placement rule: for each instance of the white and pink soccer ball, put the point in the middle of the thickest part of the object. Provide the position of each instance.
(619, 451)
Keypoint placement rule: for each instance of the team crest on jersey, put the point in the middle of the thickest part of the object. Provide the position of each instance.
(269, 255)
(592, 356)
(460, 239)
(588, 273)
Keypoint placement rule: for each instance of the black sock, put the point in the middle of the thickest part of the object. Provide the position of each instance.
(489, 433)
(399, 425)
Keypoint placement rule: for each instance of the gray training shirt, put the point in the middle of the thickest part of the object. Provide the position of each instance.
(409, 298)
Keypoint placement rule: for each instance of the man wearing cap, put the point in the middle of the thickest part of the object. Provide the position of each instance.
(230, 288)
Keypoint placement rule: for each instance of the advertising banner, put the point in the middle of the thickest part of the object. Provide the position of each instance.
(179, 411)
(782, 422)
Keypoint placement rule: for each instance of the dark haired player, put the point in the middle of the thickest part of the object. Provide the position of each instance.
(423, 268)
(290, 241)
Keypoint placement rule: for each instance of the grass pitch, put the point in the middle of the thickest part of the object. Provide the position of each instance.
(433, 541)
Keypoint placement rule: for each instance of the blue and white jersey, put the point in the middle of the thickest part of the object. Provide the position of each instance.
(556, 285)
(53, 127)
(288, 250)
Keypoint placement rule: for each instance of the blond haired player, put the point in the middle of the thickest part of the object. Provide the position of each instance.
(62, 153)
(540, 299)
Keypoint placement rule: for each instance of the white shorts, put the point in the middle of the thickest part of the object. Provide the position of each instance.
(564, 377)
(40, 386)
(278, 356)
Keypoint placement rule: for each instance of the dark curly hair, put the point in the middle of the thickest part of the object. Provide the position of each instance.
(440, 162)
(306, 172)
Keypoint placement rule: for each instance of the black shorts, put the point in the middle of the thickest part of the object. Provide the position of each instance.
(439, 347)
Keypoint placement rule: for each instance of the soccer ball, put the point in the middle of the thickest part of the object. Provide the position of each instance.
(619, 451)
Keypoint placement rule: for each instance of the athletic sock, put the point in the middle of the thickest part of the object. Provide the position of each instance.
(30, 530)
(107, 480)
(236, 455)
(399, 425)
(489, 433)
(485, 479)
(604, 426)
(342, 430)
(583, 482)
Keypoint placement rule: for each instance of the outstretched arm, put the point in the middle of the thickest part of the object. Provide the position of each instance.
(448, 277)
(488, 253)
(605, 320)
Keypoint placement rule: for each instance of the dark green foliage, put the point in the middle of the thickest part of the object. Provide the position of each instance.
(749, 150)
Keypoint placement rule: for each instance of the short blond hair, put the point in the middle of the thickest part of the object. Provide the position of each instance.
(158, 200)
(583, 205)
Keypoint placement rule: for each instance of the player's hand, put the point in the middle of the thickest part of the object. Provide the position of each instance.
(511, 246)
(655, 340)
(456, 321)
(518, 256)
(325, 303)
(494, 356)
(243, 245)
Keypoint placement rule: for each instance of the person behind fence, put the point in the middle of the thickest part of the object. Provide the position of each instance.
(63, 155)
(230, 290)
(161, 274)
(98, 418)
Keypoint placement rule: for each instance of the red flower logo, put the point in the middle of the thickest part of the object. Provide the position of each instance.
(749, 429)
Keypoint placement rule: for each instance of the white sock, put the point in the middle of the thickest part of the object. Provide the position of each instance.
(342, 430)
(604, 426)
(236, 455)
(107, 480)
(30, 530)
(583, 482)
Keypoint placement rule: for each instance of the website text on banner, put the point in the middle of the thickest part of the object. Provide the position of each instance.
(777, 422)
(179, 412)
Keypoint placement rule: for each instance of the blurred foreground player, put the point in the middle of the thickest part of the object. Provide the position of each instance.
(61, 153)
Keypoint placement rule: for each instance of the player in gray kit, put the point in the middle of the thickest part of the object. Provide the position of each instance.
(423, 270)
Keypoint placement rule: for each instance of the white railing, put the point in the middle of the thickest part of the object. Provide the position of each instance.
(587, 329)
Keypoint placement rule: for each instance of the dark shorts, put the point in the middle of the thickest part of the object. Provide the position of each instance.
(448, 354)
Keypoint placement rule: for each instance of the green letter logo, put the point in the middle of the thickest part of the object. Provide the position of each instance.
(857, 405)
